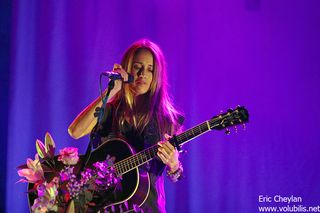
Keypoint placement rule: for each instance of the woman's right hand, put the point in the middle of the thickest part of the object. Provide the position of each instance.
(118, 69)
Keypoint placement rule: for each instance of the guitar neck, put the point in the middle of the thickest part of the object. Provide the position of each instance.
(136, 160)
(191, 134)
(148, 154)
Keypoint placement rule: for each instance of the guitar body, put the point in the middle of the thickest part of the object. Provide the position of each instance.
(134, 186)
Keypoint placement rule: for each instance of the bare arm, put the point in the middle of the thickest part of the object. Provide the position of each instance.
(85, 121)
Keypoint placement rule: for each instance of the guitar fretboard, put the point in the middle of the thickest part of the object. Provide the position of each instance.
(193, 133)
(136, 160)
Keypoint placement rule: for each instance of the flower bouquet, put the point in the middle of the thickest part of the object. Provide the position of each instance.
(59, 184)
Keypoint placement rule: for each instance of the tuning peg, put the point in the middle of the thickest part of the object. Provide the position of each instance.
(227, 132)
(183, 151)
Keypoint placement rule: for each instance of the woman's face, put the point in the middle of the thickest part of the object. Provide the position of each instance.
(142, 70)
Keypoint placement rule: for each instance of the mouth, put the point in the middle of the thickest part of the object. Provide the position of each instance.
(140, 82)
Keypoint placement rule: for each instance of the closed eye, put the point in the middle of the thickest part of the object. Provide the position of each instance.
(150, 68)
(137, 66)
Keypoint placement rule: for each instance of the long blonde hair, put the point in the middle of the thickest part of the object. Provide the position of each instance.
(157, 102)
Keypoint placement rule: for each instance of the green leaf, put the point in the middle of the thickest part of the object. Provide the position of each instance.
(88, 196)
(71, 208)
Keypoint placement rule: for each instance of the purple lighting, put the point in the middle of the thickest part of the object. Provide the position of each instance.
(263, 55)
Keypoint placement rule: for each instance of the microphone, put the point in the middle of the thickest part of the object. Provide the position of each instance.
(117, 76)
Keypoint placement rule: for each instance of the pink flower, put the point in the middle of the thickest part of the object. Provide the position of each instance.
(46, 200)
(34, 171)
(66, 173)
(41, 189)
(69, 156)
(46, 150)
(41, 149)
(50, 145)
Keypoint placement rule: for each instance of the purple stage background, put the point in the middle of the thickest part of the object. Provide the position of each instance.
(260, 54)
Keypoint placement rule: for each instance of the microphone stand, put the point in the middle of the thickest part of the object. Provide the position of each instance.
(94, 137)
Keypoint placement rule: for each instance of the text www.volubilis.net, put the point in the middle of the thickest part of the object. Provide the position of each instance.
(288, 208)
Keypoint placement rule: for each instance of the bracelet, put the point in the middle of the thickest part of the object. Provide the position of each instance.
(176, 175)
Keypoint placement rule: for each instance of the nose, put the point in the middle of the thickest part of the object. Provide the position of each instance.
(141, 71)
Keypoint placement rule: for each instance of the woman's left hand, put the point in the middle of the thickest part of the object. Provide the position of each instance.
(168, 154)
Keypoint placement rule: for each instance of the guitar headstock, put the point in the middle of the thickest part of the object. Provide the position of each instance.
(232, 117)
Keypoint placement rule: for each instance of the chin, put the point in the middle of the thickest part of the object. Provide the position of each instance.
(141, 92)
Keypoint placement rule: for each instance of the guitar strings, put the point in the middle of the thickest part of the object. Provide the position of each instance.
(191, 133)
(133, 161)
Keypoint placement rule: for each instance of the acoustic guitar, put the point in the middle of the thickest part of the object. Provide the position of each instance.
(133, 189)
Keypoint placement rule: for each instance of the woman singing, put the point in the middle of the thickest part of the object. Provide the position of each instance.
(143, 113)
